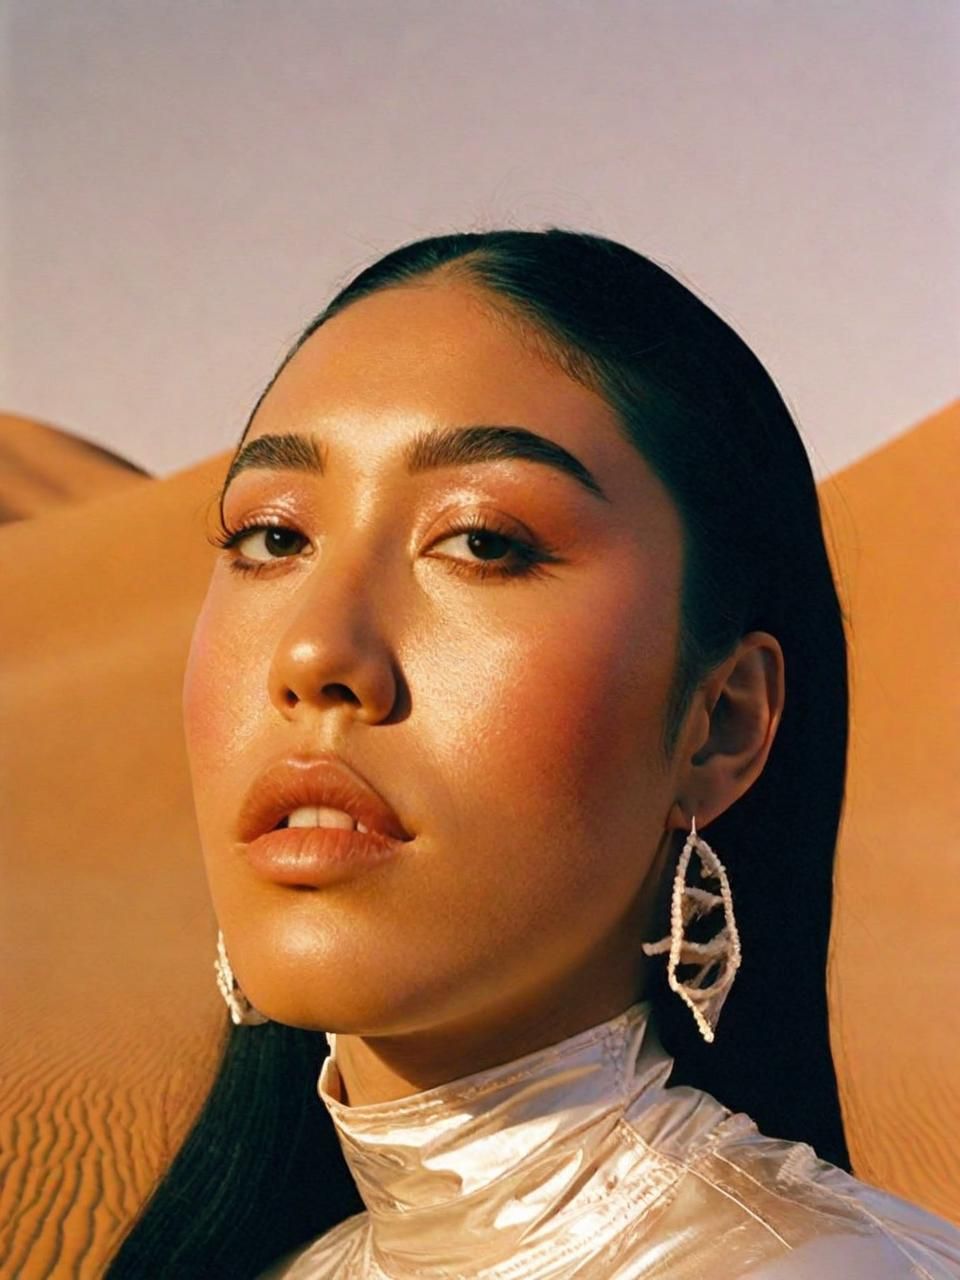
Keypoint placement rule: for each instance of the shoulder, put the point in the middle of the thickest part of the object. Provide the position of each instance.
(776, 1200)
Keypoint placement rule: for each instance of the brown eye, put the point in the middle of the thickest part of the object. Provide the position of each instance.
(486, 544)
(277, 540)
(492, 553)
(253, 548)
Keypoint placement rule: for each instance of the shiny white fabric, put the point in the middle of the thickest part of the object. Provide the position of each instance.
(577, 1161)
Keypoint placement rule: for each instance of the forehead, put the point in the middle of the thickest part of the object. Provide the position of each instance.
(427, 351)
(441, 353)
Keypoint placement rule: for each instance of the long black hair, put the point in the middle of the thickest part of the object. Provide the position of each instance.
(261, 1172)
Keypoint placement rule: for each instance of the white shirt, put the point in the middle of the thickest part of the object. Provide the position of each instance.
(579, 1161)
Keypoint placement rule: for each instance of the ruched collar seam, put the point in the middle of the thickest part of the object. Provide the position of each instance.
(611, 1036)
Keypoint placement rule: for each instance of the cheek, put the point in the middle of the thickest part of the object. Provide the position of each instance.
(223, 691)
(560, 718)
(591, 716)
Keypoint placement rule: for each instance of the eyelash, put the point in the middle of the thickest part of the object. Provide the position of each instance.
(531, 559)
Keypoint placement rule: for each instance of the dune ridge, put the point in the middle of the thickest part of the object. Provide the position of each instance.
(43, 467)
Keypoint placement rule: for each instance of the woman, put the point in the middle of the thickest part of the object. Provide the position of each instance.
(522, 587)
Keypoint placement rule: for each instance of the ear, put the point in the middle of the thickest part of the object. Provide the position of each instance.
(730, 730)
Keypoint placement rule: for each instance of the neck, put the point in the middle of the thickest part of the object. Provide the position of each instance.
(386, 1068)
(487, 1160)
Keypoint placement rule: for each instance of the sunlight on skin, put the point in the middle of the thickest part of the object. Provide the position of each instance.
(513, 722)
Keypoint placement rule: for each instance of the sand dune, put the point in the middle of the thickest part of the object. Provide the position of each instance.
(893, 524)
(42, 467)
(107, 937)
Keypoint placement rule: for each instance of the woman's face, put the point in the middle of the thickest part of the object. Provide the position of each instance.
(511, 720)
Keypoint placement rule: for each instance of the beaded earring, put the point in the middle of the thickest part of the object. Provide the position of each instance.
(241, 1010)
(688, 902)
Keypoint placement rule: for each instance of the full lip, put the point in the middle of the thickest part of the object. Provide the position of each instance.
(323, 780)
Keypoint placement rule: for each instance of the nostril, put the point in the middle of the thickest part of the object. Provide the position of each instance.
(342, 691)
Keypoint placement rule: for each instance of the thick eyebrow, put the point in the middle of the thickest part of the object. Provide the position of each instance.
(450, 447)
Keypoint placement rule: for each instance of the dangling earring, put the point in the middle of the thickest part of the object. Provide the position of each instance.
(241, 1010)
(687, 904)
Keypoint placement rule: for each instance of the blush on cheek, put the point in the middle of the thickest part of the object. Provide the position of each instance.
(215, 688)
(586, 714)
(225, 695)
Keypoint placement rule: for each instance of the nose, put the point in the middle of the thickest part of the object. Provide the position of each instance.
(334, 653)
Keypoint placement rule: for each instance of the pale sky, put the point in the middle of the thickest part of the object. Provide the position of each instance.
(184, 184)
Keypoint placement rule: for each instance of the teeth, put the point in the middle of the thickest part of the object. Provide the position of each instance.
(314, 816)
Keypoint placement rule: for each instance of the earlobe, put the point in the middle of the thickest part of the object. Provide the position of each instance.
(745, 699)
(678, 819)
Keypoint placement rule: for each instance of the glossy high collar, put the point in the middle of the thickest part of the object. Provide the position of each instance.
(472, 1169)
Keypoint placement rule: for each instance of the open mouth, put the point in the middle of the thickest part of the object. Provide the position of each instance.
(320, 793)
(313, 816)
